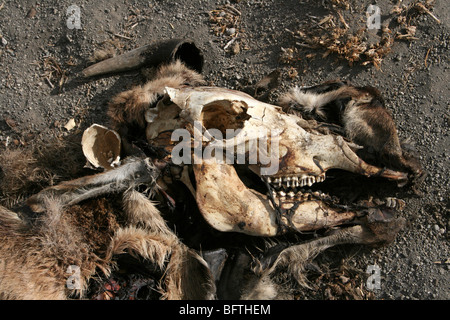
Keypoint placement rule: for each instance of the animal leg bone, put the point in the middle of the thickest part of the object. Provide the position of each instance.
(132, 173)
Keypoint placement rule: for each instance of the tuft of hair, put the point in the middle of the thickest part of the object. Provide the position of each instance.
(42, 256)
(127, 109)
(312, 103)
(26, 171)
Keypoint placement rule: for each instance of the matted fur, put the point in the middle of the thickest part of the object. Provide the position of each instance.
(186, 275)
(128, 108)
(27, 170)
(312, 102)
(293, 260)
(363, 117)
(35, 257)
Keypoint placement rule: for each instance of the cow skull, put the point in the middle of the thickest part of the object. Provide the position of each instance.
(225, 129)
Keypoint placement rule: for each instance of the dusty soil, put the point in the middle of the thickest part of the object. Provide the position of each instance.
(40, 59)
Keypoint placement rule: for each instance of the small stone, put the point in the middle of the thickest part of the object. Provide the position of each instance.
(230, 31)
(235, 48)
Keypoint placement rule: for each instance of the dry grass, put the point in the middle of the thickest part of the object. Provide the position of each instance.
(223, 18)
(226, 23)
(333, 35)
(26, 170)
(347, 36)
(54, 72)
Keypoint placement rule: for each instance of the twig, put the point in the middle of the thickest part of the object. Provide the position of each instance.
(49, 82)
(426, 57)
(341, 18)
(229, 43)
(443, 261)
(305, 45)
(287, 30)
(122, 36)
(423, 8)
(233, 9)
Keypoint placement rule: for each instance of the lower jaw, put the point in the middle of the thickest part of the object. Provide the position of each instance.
(312, 215)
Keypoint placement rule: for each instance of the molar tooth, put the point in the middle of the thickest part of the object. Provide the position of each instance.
(311, 180)
(281, 193)
(291, 194)
(269, 180)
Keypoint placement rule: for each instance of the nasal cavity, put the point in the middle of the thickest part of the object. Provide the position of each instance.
(224, 114)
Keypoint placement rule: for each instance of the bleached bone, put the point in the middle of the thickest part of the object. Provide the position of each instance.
(223, 199)
(101, 146)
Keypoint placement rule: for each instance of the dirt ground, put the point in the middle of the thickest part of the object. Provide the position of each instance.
(40, 91)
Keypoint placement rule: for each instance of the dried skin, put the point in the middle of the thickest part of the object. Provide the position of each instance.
(362, 114)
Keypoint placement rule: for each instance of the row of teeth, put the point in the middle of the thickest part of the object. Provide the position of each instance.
(296, 181)
(299, 195)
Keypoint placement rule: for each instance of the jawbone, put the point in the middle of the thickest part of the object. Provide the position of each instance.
(228, 205)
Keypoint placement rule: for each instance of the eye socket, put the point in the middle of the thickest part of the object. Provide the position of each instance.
(224, 114)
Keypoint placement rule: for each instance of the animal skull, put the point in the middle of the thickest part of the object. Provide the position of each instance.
(227, 120)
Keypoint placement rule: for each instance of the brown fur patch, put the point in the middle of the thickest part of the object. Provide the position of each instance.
(128, 108)
(99, 219)
(26, 171)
